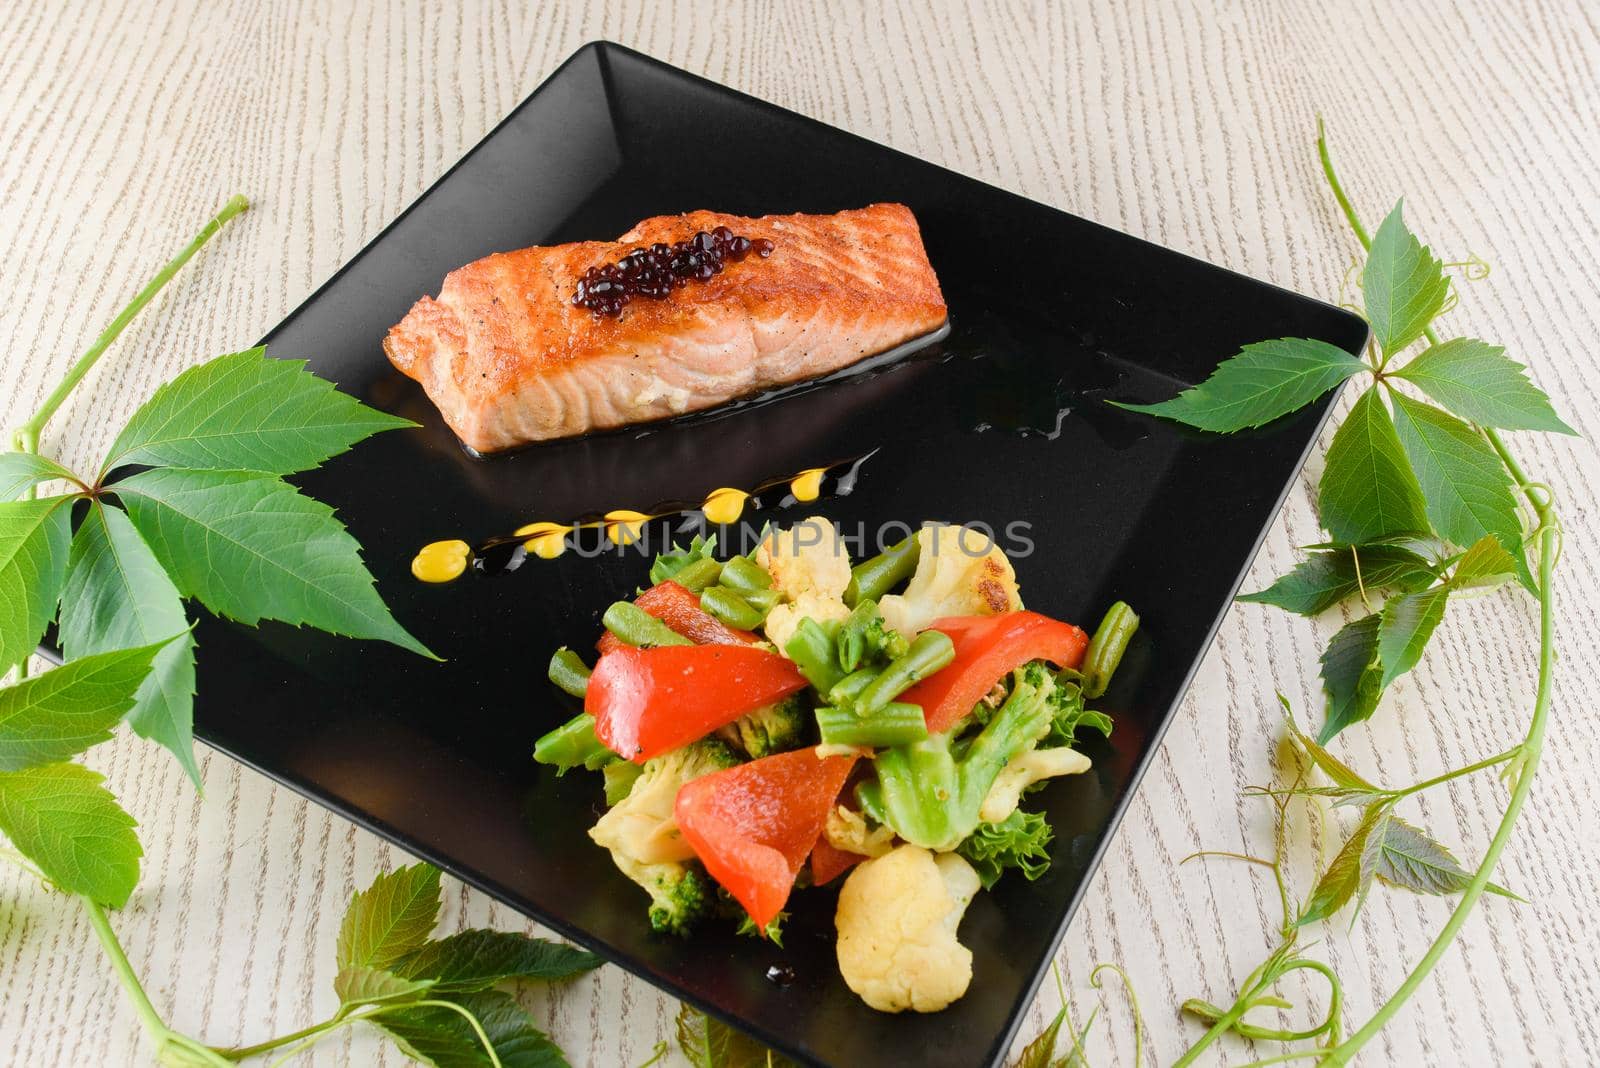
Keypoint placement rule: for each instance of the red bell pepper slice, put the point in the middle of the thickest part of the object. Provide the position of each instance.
(987, 647)
(753, 825)
(829, 862)
(680, 609)
(647, 701)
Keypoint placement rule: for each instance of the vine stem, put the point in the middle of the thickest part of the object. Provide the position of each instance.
(163, 1036)
(26, 439)
(1224, 1023)
(1533, 743)
(1532, 748)
(239, 1053)
(34, 427)
(1487, 762)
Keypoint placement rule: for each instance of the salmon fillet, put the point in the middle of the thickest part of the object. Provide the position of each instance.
(509, 359)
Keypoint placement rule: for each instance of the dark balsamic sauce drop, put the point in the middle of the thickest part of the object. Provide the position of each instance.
(499, 559)
(781, 974)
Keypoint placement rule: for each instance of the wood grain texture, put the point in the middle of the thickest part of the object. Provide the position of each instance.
(124, 124)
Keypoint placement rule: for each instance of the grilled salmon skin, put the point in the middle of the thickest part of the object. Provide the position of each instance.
(509, 359)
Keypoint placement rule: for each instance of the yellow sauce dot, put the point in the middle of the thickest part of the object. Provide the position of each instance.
(547, 546)
(545, 540)
(807, 485)
(725, 505)
(624, 527)
(441, 561)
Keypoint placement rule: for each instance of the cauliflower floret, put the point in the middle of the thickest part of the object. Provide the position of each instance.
(960, 572)
(645, 842)
(810, 567)
(1021, 772)
(848, 831)
(897, 923)
(641, 826)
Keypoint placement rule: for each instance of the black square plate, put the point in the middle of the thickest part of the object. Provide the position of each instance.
(1002, 422)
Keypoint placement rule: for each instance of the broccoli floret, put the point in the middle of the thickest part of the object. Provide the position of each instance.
(930, 791)
(1018, 841)
(644, 840)
(773, 933)
(680, 895)
(864, 639)
(774, 728)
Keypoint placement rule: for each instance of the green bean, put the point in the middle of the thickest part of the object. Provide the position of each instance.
(843, 693)
(634, 626)
(698, 575)
(728, 606)
(873, 578)
(893, 724)
(765, 600)
(930, 651)
(571, 744)
(745, 575)
(1110, 641)
(569, 672)
(811, 649)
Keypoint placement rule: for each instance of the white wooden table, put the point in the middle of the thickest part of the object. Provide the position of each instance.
(122, 125)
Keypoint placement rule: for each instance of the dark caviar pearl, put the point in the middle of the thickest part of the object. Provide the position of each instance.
(656, 271)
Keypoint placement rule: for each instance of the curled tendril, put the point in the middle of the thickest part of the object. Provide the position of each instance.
(1352, 280)
(1450, 301)
(1261, 997)
(1473, 269)
(1133, 1000)
(1547, 495)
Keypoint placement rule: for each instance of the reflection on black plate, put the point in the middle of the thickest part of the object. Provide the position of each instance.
(1001, 422)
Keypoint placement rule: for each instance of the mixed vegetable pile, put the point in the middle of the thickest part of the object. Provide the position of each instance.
(778, 719)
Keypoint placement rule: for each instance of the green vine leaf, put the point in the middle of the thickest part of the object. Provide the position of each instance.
(1041, 1052)
(1484, 566)
(57, 715)
(1405, 286)
(365, 986)
(66, 822)
(117, 595)
(1351, 676)
(1368, 490)
(442, 1037)
(1263, 382)
(1481, 384)
(1408, 857)
(34, 536)
(478, 959)
(1408, 623)
(388, 920)
(1467, 488)
(1324, 579)
(1337, 771)
(1344, 876)
(21, 471)
(709, 1043)
(246, 412)
(252, 547)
